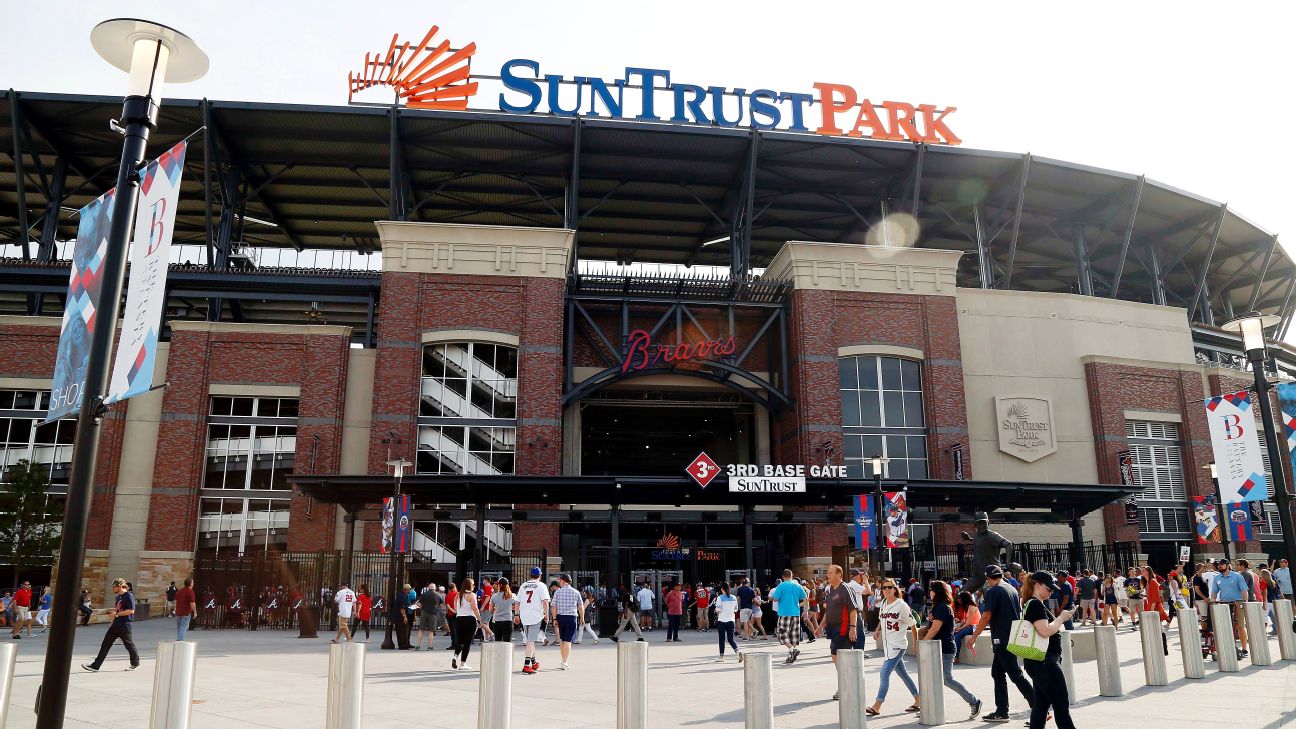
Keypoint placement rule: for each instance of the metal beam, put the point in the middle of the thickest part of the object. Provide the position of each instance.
(1210, 256)
(1021, 201)
(1129, 235)
(1081, 259)
(740, 248)
(49, 229)
(1158, 280)
(20, 175)
(985, 260)
(1264, 271)
(1287, 310)
(207, 191)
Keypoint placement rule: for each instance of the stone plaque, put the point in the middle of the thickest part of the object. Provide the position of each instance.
(1025, 424)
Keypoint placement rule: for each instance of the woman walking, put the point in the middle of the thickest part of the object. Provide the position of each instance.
(502, 602)
(895, 620)
(1269, 590)
(966, 617)
(467, 621)
(1046, 675)
(726, 607)
(1110, 601)
(364, 611)
(590, 611)
(43, 610)
(941, 628)
(1152, 595)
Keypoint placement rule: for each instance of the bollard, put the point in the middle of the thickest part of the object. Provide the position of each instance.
(850, 690)
(1068, 664)
(1286, 638)
(632, 685)
(1221, 620)
(931, 683)
(495, 689)
(173, 683)
(1257, 635)
(345, 686)
(8, 661)
(1190, 644)
(1154, 662)
(758, 694)
(1109, 678)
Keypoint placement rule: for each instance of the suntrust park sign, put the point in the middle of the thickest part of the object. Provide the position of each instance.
(751, 478)
(432, 75)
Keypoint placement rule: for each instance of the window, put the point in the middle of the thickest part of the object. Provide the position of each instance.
(1158, 469)
(883, 414)
(23, 438)
(468, 409)
(251, 446)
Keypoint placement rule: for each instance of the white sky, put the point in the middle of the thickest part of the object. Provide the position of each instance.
(1193, 94)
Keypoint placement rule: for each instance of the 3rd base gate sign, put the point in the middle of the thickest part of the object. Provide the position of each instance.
(751, 478)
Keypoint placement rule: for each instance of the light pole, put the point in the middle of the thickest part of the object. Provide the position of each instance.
(1219, 508)
(1252, 327)
(875, 549)
(394, 569)
(150, 53)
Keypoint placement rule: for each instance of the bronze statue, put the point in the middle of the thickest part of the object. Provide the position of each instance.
(986, 548)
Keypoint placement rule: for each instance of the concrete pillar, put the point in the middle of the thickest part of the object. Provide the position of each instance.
(1154, 662)
(1068, 664)
(1190, 644)
(931, 683)
(850, 690)
(345, 686)
(1257, 635)
(1109, 677)
(758, 694)
(495, 688)
(8, 661)
(632, 685)
(1283, 623)
(173, 682)
(1221, 620)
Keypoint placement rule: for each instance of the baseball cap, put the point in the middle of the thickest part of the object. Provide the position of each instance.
(993, 571)
(1044, 578)
(535, 571)
(856, 571)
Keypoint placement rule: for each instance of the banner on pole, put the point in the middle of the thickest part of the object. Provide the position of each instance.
(960, 473)
(132, 372)
(1238, 518)
(1125, 464)
(395, 525)
(79, 318)
(865, 522)
(1237, 448)
(1207, 520)
(1287, 413)
(897, 519)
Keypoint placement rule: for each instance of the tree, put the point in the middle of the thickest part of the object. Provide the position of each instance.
(30, 521)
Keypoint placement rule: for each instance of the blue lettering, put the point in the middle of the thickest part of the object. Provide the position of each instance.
(694, 105)
(717, 105)
(647, 74)
(522, 85)
(555, 107)
(798, 109)
(599, 91)
(770, 111)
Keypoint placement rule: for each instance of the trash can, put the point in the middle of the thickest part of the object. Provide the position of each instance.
(607, 621)
(142, 611)
(308, 622)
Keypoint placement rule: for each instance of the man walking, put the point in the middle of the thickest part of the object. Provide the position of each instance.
(841, 615)
(22, 610)
(645, 598)
(186, 608)
(1283, 576)
(345, 601)
(568, 612)
(627, 609)
(430, 603)
(674, 612)
(1002, 609)
(746, 599)
(533, 603)
(123, 615)
(1230, 588)
(1088, 589)
(171, 599)
(788, 599)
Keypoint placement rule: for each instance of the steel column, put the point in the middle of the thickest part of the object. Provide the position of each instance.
(49, 228)
(917, 183)
(1210, 256)
(1081, 259)
(1129, 235)
(479, 556)
(986, 262)
(20, 175)
(1286, 311)
(614, 559)
(207, 193)
(741, 235)
(1158, 284)
(1207, 314)
(1021, 201)
(396, 180)
(1264, 271)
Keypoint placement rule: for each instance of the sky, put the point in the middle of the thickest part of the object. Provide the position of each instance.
(1192, 94)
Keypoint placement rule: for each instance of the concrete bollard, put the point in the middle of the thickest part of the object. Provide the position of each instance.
(850, 690)
(1109, 678)
(345, 686)
(1190, 644)
(758, 690)
(1257, 635)
(1068, 664)
(1221, 620)
(495, 689)
(931, 683)
(1154, 662)
(1286, 638)
(173, 682)
(632, 685)
(8, 662)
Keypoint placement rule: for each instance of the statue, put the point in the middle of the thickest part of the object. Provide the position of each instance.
(986, 546)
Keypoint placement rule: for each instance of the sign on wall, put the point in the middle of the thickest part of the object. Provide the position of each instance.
(896, 506)
(1237, 449)
(1025, 424)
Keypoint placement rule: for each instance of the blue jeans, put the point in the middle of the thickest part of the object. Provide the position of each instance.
(947, 669)
(959, 636)
(725, 633)
(884, 681)
(182, 626)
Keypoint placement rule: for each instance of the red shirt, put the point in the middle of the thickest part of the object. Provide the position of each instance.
(22, 598)
(184, 601)
(364, 605)
(675, 602)
(451, 596)
(703, 599)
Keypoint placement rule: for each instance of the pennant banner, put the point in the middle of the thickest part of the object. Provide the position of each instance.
(395, 525)
(1287, 414)
(1125, 463)
(1238, 518)
(79, 314)
(132, 372)
(897, 519)
(1236, 447)
(865, 523)
(1207, 520)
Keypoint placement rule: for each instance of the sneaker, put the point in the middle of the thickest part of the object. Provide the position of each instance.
(89, 668)
(976, 709)
(528, 669)
(741, 655)
(996, 717)
(641, 640)
(132, 668)
(795, 653)
(835, 696)
(454, 664)
(465, 667)
(616, 639)
(576, 642)
(563, 667)
(596, 641)
(788, 660)
(536, 665)
(17, 637)
(720, 659)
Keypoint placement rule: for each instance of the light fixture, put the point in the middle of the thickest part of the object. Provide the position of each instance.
(1214, 470)
(149, 52)
(877, 462)
(714, 241)
(1251, 327)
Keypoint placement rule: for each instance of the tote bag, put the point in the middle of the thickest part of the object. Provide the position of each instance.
(1026, 641)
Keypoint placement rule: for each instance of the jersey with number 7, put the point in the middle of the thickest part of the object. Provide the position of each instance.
(533, 599)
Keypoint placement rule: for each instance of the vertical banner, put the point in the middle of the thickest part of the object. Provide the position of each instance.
(1287, 414)
(1238, 516)
(1125, 464)
(132, 372)
(395, 525)
(865, 523)
(1207, 520)
(897, 519)
(960, 473)
(1236, 447)
(79, 314)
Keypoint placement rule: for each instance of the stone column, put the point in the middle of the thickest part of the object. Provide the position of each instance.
(1109, 677)
(1190, 644)
(1154, 662)
(1226, 657)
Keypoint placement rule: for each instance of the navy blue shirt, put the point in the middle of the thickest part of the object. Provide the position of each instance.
(1005, 607)
(746, 596)
(125, 601)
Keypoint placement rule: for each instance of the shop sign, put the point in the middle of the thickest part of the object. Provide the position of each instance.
(1025, 426)
(777, 479)
(706, 555)
(643, 353)
(669, 550)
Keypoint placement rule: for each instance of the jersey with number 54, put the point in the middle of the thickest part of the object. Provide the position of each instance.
(532, 599)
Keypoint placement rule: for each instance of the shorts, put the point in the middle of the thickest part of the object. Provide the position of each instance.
(788, 630)
(567, 628)
(1110, 600)
(342, 617)
(427, 620)
(21, 613)
(531, 633)
(744, 615)
(839, 642)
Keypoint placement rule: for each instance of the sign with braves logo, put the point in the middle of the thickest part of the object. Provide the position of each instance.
(1237, 449)
(865, 521)
(703, 469)
(1239, 522)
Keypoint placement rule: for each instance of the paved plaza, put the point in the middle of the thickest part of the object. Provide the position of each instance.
(274, 679)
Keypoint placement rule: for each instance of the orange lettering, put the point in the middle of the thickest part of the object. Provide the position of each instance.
(831, 107)
(868, 118)
(935, 125)
(901, 120)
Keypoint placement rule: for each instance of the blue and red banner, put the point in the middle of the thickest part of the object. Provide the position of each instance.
(396, 527)
(865, 522)
(1238, 522)
(896, 505)
(1206, 519)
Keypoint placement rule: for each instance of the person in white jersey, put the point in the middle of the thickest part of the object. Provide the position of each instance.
(346, 602)
(533, 605)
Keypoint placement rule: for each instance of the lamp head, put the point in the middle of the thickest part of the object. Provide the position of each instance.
(1252, 326)
(150, 52)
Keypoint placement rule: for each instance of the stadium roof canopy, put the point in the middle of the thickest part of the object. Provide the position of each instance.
(317, 177)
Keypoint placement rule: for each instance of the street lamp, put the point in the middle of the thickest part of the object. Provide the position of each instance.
(151, 53)
(394, 570)
(1219, 509)
(1252, 327)
(875, 549)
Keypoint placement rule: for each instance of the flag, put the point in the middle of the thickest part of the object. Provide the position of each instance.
(865, 523)
(132, 372)
(395, 525)
(1207, 520)
(897, 519)
(1286, 408)
(1237, 448)
(1238, 518)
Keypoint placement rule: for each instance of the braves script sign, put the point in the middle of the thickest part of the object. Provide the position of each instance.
(1025, 426)
(643, 353)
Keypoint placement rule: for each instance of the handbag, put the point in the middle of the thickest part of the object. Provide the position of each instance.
(1026, 641)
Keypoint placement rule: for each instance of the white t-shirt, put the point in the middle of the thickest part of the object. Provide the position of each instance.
(345, 600)
(1118, 582)
(645, 598)
(894, 620)
(533, 599)
(726, 608)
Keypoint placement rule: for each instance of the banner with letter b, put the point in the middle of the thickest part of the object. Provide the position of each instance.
(1237, 448)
